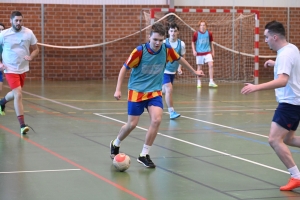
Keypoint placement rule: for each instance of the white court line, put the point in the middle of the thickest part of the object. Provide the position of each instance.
(200, 146)
(38, 171)
(240, 130)
(57, 102)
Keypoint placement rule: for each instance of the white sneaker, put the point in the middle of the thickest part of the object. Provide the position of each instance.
(212, 84)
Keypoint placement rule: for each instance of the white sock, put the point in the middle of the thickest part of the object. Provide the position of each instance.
(198, 82)
(211, 80)
(117, 142)
(294, 171)
(171, 109)
(145, 150)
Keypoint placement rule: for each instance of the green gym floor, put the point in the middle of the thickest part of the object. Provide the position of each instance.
(217, 150)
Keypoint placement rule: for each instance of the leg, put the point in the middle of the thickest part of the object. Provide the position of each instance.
(128, 127)
(199, 67)
(169, 100)
(18, 104)
(211, 74)
(168, 94)
(8, 97)
(155, 113)
(211, 70)
(123, 133)
(276, 137)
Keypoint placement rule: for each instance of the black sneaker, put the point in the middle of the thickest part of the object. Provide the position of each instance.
(113, 150)
(146, 161)
(2, 108)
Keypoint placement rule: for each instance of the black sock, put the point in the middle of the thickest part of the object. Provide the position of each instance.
(3, 101)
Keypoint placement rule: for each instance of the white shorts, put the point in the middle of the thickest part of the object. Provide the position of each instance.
(200, 60)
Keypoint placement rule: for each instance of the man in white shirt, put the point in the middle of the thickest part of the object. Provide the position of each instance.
(17, 42)
(287, 90)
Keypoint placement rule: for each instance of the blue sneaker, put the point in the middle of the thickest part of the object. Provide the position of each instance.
(174, 115)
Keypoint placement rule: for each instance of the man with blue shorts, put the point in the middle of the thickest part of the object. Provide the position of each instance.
(147, 63)
(172, 68)
(287, 90)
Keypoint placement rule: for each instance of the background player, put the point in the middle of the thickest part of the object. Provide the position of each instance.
(204, 51)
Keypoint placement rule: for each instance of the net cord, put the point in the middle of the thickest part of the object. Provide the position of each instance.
(116, 40)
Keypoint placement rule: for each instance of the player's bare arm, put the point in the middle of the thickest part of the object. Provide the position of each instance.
(122, 74)
(185, 64)
(281, 81)
(193, 48)
(34, 53)
(269, 63)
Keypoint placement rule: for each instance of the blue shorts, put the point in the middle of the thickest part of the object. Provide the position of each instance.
(1, 76)
(287, 116)
(168, 78)
(137, 108)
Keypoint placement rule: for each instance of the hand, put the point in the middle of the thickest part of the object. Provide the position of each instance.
(199, 73)
(28, 58)
(194, 53)
(118, 95)
(269, 63)
(248, 88)
(2, 67)
(179, 71)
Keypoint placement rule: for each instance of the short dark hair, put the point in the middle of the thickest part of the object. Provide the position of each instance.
(173, 26)
(15, 13)
(2, 25)
(158, 28)
(275, 27)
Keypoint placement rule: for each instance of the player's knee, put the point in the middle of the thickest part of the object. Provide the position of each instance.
(272, 141)
(156, 121)
(131, 126)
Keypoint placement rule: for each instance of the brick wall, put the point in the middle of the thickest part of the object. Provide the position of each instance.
(80, 25)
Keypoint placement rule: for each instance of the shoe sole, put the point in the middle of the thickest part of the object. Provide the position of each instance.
(25, 131)
(143, 163)
(175, 117)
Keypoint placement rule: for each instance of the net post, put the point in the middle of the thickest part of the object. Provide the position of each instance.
(255, 66)
(256, 48)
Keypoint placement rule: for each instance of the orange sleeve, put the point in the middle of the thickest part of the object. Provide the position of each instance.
(134, 58)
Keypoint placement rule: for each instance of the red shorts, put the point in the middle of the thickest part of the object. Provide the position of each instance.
(15, 80)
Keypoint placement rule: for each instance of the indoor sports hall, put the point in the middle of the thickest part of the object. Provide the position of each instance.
(216, 150)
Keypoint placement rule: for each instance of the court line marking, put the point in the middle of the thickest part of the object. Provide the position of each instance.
(200, 146)
(38, 171)
(128, 191)
(223, 126)
(53, 101)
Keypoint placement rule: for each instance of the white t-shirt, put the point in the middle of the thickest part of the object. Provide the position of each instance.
(288, 62)
(15, 47)
(182, 52)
